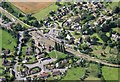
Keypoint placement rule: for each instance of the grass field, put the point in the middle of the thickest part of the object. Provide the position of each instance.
(43, 13)
(97, 50)
(31, 7)
(112, 5)
(6, 37)
(93, 69)
(59, 54)
(110, 73)
(74, 73)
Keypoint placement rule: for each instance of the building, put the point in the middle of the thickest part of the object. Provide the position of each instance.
(5, 62)
(51, 66)
(57, 65)
(6, 51)
(64, 62)
(55, 73)
(43, 75)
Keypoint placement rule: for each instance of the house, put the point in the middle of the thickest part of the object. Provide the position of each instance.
(64, 62)
(115, 37)
(63, 13)
(34, 71)
(29, 50)
(70, 7)
(28, 72)
(12, 72)
(94, 14)
(55, 18)
(68, 37)
(57, 65)
(43, 75)
(5, 62)
(77, 19)
(6, 51)
(55, 73)
(50, 66)
(21, 73)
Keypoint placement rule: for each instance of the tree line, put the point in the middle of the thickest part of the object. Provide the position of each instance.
(59, 47)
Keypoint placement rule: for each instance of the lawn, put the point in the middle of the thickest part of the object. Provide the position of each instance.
(93, 69)
(5, 39)
(110, 73)
(59, 54)
(52, 54)
(74, 73)
(42, 14)
(76, 35)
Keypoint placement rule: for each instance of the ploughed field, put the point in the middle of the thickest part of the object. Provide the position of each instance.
(31, 7)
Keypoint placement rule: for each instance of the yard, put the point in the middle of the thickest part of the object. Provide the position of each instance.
(42, 14)
(59, 54)
(74, 73)
(110, 73)
(7, 41)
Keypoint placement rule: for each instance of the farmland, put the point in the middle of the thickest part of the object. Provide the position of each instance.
(43, 13)
(31, 7)
(110, 73)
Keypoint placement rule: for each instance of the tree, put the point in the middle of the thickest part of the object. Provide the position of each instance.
(116, 9)
(64, 49)
(56, 45)
(98, 29)
(87, 39)
(70, 61)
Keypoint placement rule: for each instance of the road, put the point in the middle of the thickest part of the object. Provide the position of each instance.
(20, 40)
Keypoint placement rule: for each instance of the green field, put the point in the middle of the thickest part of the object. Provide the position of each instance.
(93, 69)
(5, 37)
(42, 14)
(110, 73)
(0, 66)
(59, 54)
(74, 73)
